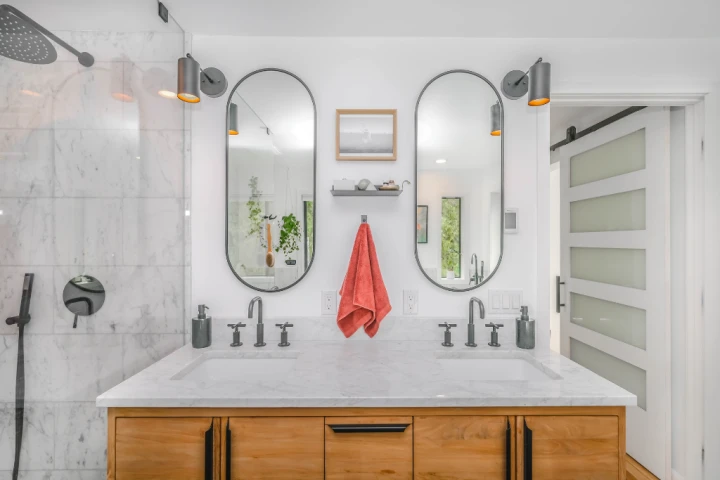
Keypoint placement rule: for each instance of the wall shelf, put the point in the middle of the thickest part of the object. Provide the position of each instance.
(366, 193)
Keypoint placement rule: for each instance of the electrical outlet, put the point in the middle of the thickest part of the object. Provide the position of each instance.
(410, 302)
(329, 303)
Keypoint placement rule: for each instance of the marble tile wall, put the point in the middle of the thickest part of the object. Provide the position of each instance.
(89, 183)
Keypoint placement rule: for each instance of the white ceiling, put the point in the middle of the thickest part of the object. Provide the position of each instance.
(451, 18)
(393, 18)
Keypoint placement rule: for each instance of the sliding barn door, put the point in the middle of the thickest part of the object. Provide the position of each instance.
(615, 269)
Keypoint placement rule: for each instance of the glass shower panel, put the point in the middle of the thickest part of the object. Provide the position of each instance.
(618, 157)
(616, 266)
(621, 322)
(611, 213)
(619, 372)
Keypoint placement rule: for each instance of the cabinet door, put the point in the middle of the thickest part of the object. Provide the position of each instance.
(569, 448)
(163, 448)
(368, 448)
(463, 447)
(275, 448)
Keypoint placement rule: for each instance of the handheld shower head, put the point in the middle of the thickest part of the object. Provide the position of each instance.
(24, 40)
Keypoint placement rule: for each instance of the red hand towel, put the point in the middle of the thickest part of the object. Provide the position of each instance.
(364, 299)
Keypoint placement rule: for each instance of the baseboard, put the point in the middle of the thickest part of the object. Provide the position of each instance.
(677, 476)
(635, 471)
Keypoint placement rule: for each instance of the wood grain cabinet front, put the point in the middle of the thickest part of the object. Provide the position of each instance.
(368, 448)
(463, 447)
(274, 448)
(569, 448)
(164, 448)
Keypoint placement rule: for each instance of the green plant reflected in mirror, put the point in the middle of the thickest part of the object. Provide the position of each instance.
(270, 180)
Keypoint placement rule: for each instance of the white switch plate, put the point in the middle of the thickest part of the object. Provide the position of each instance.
(505, 301)
(328, 305)
(410, 302)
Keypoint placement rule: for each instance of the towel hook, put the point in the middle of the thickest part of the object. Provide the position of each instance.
(363, 218)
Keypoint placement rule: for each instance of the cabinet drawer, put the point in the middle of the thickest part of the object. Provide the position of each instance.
(364, 448)
(275, 448)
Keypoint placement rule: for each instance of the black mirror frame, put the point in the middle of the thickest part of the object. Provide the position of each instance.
(227, 177)
(502, 182)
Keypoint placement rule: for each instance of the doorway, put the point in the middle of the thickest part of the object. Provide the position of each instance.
(615, 237)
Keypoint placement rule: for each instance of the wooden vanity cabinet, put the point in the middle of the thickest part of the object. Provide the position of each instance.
(570, 447)
(463, 447)
(519, 443)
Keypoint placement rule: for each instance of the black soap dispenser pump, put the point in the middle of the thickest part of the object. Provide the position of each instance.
(202, 328)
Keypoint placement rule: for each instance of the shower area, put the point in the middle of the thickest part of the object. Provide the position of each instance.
(94, 183)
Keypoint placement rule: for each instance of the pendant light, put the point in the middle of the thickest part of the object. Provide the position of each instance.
(232, 120)
(192, 80)
(496, 120)
(536, 80)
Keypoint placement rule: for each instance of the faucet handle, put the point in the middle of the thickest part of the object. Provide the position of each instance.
(284, 325)
(447, 325)
(236, 325)
(494, 326)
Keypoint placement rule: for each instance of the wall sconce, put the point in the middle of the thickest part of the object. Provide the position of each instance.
(192, 79)
(495, 120)
(232, 120)
(515, 84)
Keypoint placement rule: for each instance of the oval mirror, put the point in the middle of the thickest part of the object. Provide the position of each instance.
(459, 180)
(270, 211)
(83, 296)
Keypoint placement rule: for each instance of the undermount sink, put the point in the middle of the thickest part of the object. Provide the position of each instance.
(230, 369)
(494, 369)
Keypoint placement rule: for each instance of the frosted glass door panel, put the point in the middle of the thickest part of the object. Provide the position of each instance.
(618, 157)
(623, 374)
(623, 323)
(611, 213)
(617, 266)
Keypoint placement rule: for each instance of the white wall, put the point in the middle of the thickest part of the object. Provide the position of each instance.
(389, 73)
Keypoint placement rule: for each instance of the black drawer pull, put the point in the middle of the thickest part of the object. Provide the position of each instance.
(378, 428)
(228, 452)
(508, 448)
(209, 454)
(527, 443)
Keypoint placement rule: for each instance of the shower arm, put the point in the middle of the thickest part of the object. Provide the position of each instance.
(40, 28)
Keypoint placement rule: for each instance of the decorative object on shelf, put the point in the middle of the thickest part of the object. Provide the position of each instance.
(366, 135)
(515, 84)
(366, 193)
(83, 296)
(290, 237)
(422, 224)
(344, 184)
(389, 185)
(364, 184)
(192, 79)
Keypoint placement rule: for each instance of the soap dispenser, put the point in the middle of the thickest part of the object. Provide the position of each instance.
(524, 330)
(202, 328)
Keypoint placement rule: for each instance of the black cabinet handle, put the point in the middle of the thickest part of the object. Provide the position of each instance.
(557, 294)
(527, 443)
(209, 453)
(379, 428)
(508, 446)
(228, 450)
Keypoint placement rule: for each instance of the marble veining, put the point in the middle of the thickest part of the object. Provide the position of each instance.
(362, 374)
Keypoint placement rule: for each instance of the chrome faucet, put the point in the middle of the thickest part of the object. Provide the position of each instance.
(471, 321)
(260, 327)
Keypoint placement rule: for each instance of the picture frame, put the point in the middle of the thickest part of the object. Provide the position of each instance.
(422, 224)
(366, 134)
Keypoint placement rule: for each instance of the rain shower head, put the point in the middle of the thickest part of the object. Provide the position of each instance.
(24, 40)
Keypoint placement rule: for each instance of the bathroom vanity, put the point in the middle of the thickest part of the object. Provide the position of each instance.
(366, 409)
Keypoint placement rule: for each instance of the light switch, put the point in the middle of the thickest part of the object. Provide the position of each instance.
(516, 301)
(506, 301)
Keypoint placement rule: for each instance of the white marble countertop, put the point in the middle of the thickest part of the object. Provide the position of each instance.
(376, 373)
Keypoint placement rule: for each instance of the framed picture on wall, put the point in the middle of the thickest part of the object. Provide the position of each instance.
(366, 135)
(422, 224)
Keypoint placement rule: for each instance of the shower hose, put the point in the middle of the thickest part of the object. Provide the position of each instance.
(19, 399)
